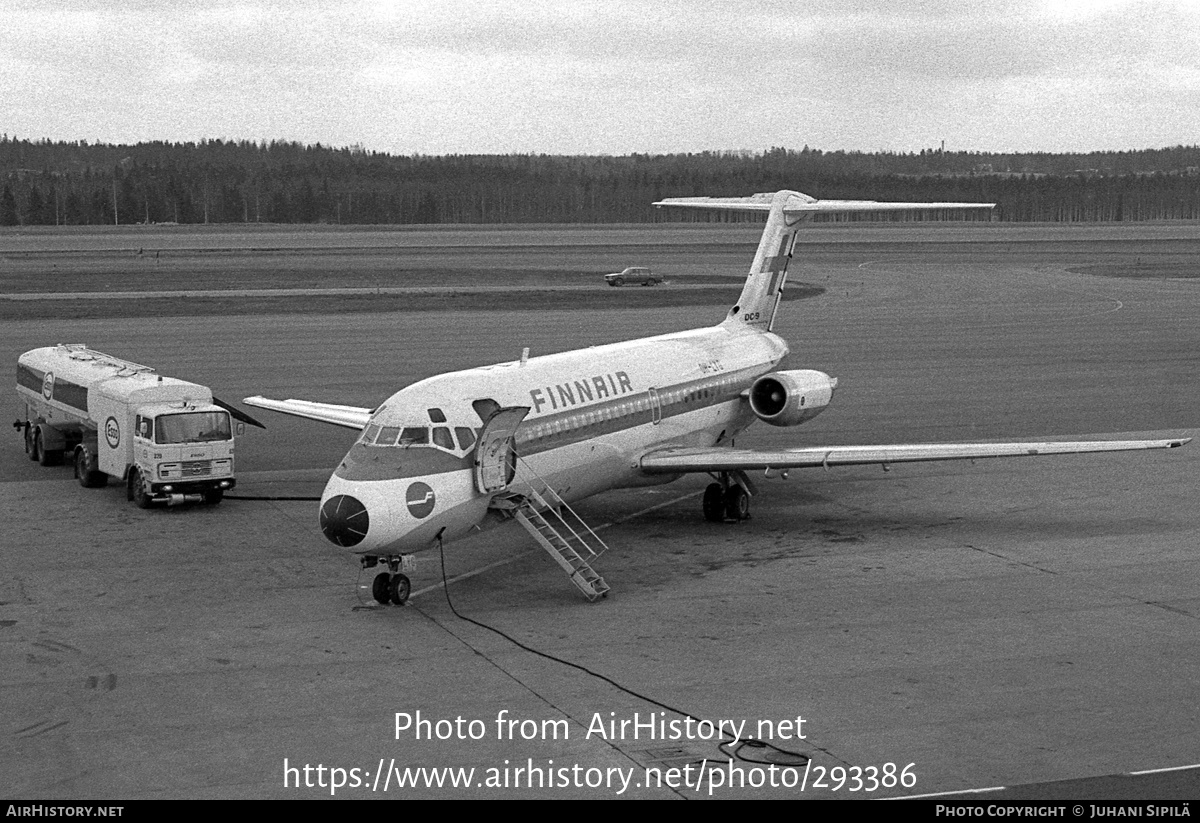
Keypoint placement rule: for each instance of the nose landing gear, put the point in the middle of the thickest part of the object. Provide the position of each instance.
(391, 586)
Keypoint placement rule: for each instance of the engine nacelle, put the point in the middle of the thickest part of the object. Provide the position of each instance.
(788, 398)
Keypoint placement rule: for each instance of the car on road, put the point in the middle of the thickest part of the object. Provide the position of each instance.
(633, 274)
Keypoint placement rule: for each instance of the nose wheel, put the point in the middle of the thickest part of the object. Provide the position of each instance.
(391, 586)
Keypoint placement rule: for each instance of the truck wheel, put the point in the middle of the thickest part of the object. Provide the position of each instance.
(87, 478)
(30, 446)
(42, 456)
(141, 494)
(214, 496)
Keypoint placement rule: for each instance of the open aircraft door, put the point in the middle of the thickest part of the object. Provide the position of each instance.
(495, 457)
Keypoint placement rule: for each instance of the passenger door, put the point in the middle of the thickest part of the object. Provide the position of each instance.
(495, 457)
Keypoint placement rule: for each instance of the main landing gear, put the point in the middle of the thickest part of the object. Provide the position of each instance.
(391, 586)
(726, 500)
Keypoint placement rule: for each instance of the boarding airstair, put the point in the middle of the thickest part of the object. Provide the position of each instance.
(559, 530)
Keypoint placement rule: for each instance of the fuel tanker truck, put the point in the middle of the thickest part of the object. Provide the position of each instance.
(166, 439)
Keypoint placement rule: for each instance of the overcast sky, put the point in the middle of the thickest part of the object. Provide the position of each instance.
(608, 77)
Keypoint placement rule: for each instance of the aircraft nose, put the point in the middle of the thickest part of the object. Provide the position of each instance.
(344, 520)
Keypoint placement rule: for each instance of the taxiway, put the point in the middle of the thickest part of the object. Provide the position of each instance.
(997, 624)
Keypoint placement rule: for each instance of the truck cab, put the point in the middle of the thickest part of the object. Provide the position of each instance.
(179, 450)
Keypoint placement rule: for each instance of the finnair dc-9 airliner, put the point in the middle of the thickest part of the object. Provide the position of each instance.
(462, 451)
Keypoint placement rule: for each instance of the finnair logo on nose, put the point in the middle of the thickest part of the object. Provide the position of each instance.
(420, 500)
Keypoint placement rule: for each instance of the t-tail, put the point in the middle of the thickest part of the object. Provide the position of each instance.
(786, 211)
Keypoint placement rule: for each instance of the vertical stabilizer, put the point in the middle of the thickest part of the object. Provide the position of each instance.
(786, 212)
(760, 296)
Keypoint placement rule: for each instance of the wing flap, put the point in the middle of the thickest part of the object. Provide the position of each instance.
(677, 460)
(350, 417)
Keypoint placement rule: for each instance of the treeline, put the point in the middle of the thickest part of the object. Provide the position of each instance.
(217, 181)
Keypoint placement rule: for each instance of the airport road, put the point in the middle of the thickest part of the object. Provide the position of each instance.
(1001, 623)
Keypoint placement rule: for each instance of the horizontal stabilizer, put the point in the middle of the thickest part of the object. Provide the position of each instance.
(681, 460)
(801, 204)
(350, 417)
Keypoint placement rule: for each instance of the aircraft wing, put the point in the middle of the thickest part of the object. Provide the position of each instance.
(679, 460)
(350, 417)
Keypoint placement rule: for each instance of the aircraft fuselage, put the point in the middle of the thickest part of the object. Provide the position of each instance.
(592, 413)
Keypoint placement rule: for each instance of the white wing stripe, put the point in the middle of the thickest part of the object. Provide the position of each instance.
(350, 417)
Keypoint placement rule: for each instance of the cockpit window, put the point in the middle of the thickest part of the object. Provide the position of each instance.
(443, 439)
(414, 436)
(437, 416)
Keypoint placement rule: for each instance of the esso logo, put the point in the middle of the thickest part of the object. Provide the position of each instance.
(112, 432)
(48, 385)
(420, 500)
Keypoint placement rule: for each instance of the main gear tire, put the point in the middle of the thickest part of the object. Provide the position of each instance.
(737, 503)
(714, 503)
